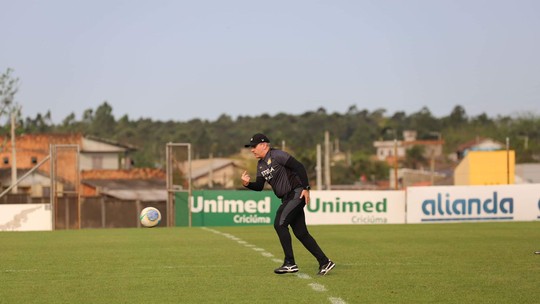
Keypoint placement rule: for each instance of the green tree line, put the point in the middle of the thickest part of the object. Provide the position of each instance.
(355, 130)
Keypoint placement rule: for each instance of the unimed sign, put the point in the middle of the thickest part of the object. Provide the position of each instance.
(473, 203)
(356, 207)
(231, 208)
(241, 208)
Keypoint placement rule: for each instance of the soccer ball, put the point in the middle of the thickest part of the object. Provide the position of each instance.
(150, 217)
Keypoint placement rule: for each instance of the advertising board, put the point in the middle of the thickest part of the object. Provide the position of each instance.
(232, 208)
(242, 207)
(356, 207)
(473, 203)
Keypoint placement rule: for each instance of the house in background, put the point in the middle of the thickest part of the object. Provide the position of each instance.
(477, 144)
(99, 153)
(484, 161)
(95, 153)
(528, 173)
(395, 151)
(32, 149)
(36, 186)
(391, 151)
(411, 177)
(219, 173)
(486, 168)
(138, 184)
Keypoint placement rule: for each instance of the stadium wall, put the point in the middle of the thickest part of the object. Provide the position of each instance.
(416, 205)
(244, 208)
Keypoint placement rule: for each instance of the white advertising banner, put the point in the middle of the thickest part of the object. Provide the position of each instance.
(473, 203)
(25, 217)
(356, 207)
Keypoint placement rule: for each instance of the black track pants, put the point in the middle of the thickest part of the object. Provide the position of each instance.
(291, 213)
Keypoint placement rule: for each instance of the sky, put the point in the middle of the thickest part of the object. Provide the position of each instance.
(182, 60)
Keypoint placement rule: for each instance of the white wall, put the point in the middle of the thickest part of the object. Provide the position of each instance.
(25, 217)
(110, 161)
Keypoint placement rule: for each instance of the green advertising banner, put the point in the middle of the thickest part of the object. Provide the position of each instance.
(181, 209)
(228, 208)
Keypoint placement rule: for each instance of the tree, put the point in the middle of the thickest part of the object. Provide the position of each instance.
(423, 122)
(364, 165)
(69, 120)
(482, 119)
(41, 124)
(8, 88)
(457, 117)
(415, 157)
(103, 121)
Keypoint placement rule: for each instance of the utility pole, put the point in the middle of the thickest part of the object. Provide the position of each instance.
(432, 167)
(13, 154)
(211, 171)
(508, 161)
(395, 164)
(319, 167)
(327, 160)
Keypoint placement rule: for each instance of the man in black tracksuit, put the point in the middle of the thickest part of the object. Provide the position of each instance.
(289, 180)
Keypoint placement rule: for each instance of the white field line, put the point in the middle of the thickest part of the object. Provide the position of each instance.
(317, 287)
(190, 266)
(389, 264)
(314, 286)
(334, 300)
(18, 270)
(304, 276)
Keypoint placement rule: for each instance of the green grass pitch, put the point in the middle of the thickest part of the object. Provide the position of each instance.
(426, 263)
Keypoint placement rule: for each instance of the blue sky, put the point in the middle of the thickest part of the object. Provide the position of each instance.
(179, 60)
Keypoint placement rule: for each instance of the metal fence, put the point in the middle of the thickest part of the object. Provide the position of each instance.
(95, 212)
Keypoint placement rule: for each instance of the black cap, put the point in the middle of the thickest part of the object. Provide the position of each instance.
(257, 139)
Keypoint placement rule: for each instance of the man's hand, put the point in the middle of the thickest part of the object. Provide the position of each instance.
(305, 194)
(245, 178)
